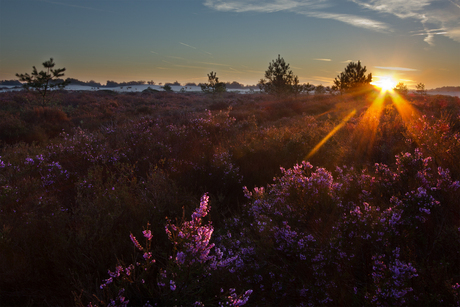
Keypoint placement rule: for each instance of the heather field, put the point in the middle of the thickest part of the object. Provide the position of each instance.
(188, 199)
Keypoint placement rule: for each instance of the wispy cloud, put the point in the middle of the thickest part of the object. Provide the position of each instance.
(325, 60)
(215, 64)
(235, 70)
(189, 66)
(353, 20)
(456, 4)
(187, 45)
(430, 14)
(176, 57)
(153, 52)
(309, 8)
(260, 6)
(396, 68)
(256, 71)
(322, 79)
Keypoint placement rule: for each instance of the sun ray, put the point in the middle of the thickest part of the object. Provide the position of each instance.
(368, 125)
(330, 134)
(407, 112)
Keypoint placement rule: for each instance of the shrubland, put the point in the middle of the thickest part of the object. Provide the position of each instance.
(179, 199)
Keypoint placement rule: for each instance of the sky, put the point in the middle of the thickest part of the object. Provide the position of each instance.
(183, 40)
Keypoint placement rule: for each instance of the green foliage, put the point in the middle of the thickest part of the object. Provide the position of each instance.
(280, 80)
(44, 81)
(214, 86)
(352, 79)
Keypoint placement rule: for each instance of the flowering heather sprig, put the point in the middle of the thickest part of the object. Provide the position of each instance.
(391, 280)
(135, 242)
(240, 300)
(148, 234)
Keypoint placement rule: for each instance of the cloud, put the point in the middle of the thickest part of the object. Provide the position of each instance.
(260, 6)
(176, 57)
(187, 45)
(326, 60)
(217, 64)
(323, 79)
(396, 68)
(353, 20)
(189, 66)
(430, 14)
(308, 8)
(256, 71)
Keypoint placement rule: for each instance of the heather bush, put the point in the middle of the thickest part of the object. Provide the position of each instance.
(371, 219)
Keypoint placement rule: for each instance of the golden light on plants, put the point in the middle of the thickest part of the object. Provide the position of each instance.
(330, 134)
(405, 109)
(368, 125)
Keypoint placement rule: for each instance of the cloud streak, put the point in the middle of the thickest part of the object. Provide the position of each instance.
(396, 68)
(259, 6)
(430, 14)
(187, 45)
(305, 7)
(325, 60)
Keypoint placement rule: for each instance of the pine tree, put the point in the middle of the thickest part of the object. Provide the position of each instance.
(279, 80)
(44, 81)
(353, 78)
(214, 86)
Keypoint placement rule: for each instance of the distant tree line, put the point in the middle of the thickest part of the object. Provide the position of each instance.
(130, 83)
(10, 82)
(87, 83)
(447, 89)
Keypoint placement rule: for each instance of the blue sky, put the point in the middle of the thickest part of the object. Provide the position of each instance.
(168, 40)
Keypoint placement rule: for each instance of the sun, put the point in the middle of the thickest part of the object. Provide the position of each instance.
(386, 84)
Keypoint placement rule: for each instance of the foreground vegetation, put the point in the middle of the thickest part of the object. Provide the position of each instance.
(190, 199)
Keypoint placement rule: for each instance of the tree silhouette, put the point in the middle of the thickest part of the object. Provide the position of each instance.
(279, 80)
(214, 86)
(44, 81)
(353, 78)
(421, 88)
(401, 88)
(307, 88)
(167, 88)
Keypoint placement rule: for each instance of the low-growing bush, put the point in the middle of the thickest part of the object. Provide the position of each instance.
(372, 219)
